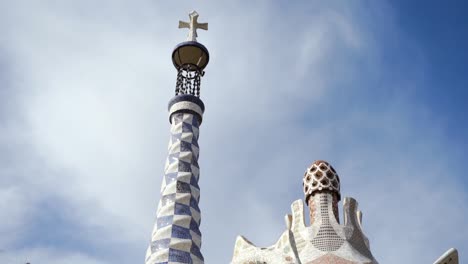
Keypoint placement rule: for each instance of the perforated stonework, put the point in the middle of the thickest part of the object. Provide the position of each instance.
(326, 240)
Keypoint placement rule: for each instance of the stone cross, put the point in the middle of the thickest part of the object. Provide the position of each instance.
(193, 25)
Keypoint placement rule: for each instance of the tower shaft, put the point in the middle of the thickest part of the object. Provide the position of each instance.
(176, 236)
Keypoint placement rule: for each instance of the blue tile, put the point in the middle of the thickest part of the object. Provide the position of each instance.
(181, 232)
(195, 122)
(184, 166)
(195, 141)
(185, 146)
(195, 162)
(186, 127)
(183, 187)
(194, 227)
(194, 204)
(194, 182)
(196, 251)
(182, 209)
(179, 256)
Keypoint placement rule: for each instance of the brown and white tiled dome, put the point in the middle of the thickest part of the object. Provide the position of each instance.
(321, 177)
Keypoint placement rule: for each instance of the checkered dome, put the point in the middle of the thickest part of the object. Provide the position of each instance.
(321, 176)
(176, 235)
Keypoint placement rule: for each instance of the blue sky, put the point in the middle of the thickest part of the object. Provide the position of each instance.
(375, 88)
(439, 31)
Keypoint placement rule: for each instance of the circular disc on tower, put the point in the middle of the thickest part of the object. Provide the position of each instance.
(190, 53)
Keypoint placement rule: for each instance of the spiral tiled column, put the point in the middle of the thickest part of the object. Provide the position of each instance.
(176, 236)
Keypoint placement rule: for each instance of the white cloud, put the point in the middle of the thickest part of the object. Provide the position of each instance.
(46, 255)
(94, 79)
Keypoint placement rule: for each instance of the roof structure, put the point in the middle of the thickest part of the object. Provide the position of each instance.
(325, 240)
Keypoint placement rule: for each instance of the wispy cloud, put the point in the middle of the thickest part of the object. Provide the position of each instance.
(85, 147)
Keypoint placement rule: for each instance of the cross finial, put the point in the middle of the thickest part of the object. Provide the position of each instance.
(193, 25)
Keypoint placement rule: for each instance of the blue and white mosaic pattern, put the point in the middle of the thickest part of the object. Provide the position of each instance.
(176, 235)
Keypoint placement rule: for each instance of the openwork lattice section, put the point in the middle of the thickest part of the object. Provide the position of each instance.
(188, 80)
(326, 240)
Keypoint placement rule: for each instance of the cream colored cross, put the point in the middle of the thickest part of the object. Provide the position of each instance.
(193, 25)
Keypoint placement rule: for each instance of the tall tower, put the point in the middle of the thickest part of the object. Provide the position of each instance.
(176, 236)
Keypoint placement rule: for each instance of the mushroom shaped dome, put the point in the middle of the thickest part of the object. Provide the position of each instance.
(321, 177)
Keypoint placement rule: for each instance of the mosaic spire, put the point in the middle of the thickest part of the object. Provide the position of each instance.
(176, 236)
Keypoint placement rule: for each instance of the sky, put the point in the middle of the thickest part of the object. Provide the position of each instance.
(377, 88)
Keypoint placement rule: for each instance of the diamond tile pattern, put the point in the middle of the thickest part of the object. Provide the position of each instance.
(176, 235)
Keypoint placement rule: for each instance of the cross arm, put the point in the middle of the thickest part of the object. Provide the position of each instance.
(202, 26)
(183, 24)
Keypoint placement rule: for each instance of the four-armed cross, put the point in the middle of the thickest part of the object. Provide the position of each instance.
(193, 25)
